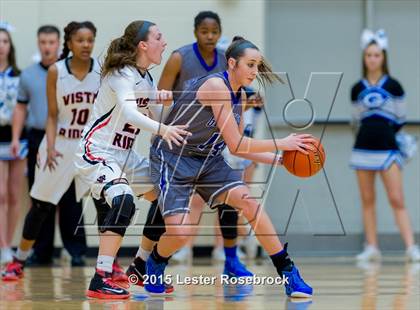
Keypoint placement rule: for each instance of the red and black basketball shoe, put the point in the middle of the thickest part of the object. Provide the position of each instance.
(118, 275)
(13, 270)
(103, 287)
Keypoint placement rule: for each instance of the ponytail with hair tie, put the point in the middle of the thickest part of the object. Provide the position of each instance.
(265, 73)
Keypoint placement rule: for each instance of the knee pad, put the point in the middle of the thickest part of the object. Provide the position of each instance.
(119, 216)
(228, 219)
(154, 227)
(116, 188)
(35, 218)
(102, 209)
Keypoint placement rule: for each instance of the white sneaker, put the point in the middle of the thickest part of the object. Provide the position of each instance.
(413, 253)
(369, 253)
(182, 256)
(6, 255)
(218, 254)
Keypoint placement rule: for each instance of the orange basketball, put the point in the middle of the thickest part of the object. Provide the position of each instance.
(302, 165)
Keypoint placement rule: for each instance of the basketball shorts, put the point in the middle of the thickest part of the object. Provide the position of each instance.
(98, 167)
(50, 186)
(178, 177)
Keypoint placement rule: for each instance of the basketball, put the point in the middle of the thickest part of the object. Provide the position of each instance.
(302, 165)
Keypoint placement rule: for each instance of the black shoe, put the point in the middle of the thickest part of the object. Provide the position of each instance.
(135, 273)
(34, 260)
(102, 287)
(78, 261)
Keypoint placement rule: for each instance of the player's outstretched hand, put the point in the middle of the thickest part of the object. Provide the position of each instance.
(175, 134)
(51, 162)
(298, 142)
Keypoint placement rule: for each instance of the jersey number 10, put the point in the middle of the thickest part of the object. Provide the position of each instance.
(80, 116)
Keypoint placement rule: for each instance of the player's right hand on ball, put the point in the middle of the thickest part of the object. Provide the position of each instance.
(298, 142)
(175, 134)
(51, 162)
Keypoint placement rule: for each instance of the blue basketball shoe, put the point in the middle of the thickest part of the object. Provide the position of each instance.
(234, 268)
(155, 284)
(295, 286)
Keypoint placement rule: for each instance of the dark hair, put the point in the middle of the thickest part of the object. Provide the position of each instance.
(11, 58)
(123, 50)
(71, 29)
(265, 73)
(385, 68)
(48, 29)
(206, 14)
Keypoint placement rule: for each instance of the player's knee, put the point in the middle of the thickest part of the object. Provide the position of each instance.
(249, 208)
(228, 219)
(180, 234)
(119, 216)
(115, 190)
(35, 218)
(154, 227)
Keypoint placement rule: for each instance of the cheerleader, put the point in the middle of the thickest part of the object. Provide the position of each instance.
(379, 109)
(11, 167)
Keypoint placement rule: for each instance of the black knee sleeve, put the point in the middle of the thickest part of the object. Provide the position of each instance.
(35, 218)
(155, 225)
(119, 216)
(228, 219)
(102, 209)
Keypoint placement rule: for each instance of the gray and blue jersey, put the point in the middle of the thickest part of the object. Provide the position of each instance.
(206, 138)
(197, 167)
(194, 66)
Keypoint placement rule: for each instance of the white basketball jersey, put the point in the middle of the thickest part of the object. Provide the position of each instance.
(107, 127)
(75, 98)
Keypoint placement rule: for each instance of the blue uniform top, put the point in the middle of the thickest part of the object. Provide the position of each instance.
(206, 138)
(194, 66)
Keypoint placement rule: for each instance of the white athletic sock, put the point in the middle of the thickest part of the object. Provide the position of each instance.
(143, 254)
(105, 262)
(22, 255)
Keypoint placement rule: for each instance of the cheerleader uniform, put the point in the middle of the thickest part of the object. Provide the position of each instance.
(380, 111)
(9, 84)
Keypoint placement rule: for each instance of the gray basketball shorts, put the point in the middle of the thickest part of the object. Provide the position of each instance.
(178, 177)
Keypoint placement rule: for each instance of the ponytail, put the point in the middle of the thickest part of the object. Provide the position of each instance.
(265, 72)
(123, 50)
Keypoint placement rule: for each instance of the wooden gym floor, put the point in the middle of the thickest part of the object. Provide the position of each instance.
(338, 284)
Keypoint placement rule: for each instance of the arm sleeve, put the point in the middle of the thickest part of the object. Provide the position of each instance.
(123, 86)
(23, 94)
